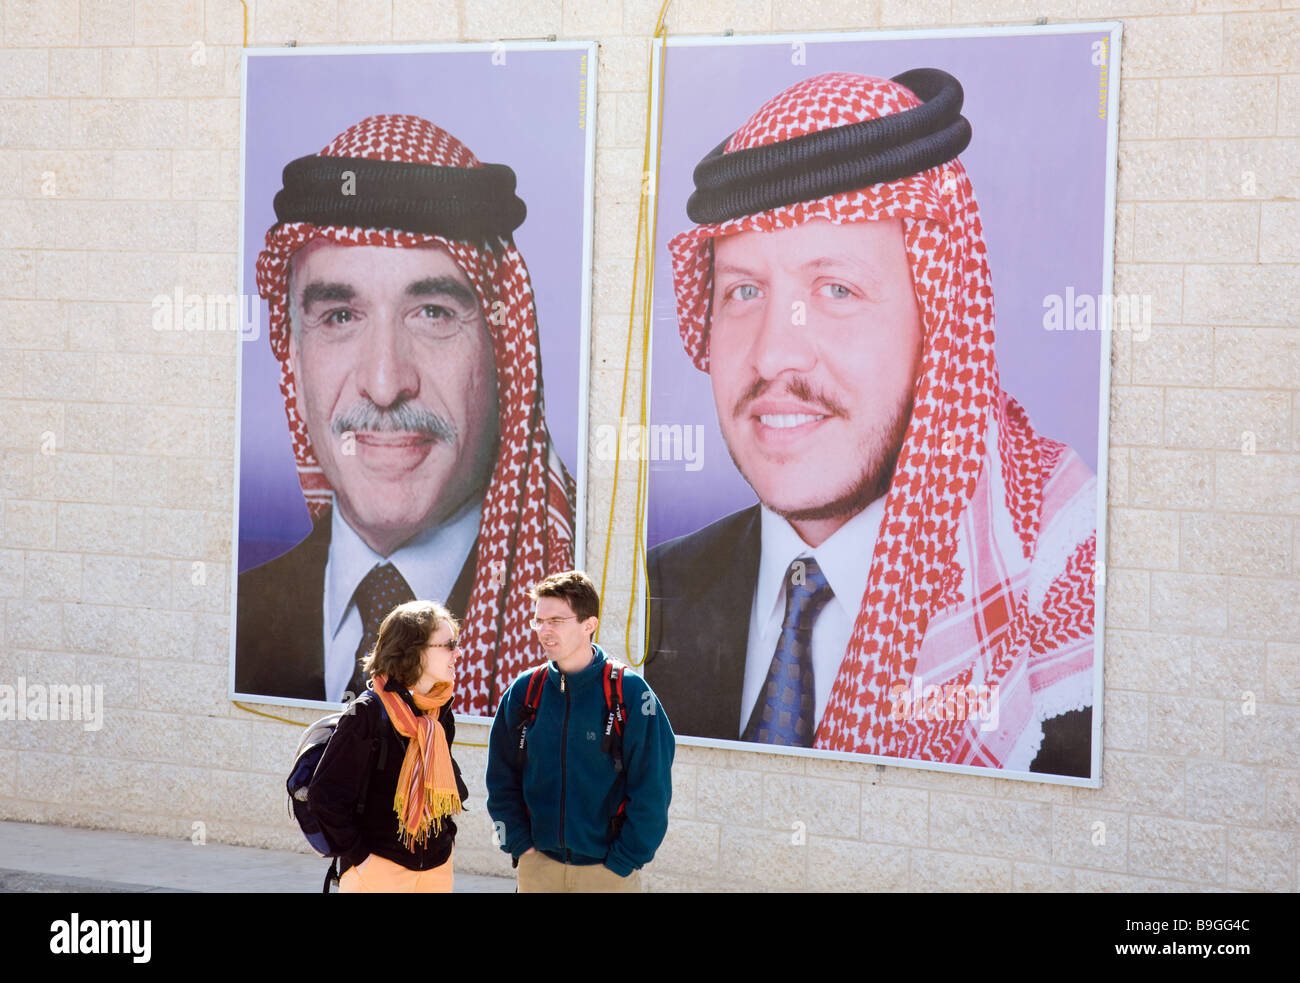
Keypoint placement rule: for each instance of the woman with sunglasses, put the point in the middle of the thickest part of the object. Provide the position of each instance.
(387, 783)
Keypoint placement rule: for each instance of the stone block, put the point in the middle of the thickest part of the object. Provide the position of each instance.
(130, 72)
(762, 860)
(1222, 792)
(1175, 356)
(1125, 725)
(41, 25)
(947, 872)
(178, 687)
(1283, 670)
(1193, 603)
(1088, 837)
(1262, 44)
(1196, 232)
(1260, 860)
(1268, 483)
(1137, 415)
(76, 72)
(729, 796)
(1190, 851)
(1168, 479)
(51, 576)
(1160, 170)
(1150, 783)
(484, 20)
(24, 73)
(914, 13)
(1228, 668)
(100, 528)
(851, 866)
(1142, 538)
(374, 20)
(1172, 46)
(29, 524)
(895, 815)
(1041, 879)
(1231, 544)
(1185, 726)
(1267, 736)
(991, 827)
(689, 849)
(1216, 107)
(1227, 293)
(811, 806)
(1256, 358)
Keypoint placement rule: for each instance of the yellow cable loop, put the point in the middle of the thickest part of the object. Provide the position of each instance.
(643, 465)
(245, 6)
(647, 196)
(284, 720)
(647, 300)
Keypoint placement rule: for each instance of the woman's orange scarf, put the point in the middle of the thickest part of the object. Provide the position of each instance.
(426, 786)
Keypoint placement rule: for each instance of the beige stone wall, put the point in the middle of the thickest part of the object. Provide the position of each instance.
(119, 180)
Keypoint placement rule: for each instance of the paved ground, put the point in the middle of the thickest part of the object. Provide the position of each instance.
(40, 858)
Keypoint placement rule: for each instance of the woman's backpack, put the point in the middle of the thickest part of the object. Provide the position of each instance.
(305, 761)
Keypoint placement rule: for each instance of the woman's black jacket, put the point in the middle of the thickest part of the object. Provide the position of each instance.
(365, 738)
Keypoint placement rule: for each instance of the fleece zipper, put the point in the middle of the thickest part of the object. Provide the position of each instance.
(564, 764)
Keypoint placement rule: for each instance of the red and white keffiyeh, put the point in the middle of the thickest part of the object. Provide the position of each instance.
(982, 575)
(526, 531)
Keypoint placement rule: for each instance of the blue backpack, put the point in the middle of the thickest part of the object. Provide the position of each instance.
(305, 761)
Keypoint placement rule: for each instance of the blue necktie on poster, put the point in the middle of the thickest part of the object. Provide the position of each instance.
(785, 713)
(382, 589)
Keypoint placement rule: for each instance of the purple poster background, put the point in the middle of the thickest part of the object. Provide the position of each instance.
(1037, 161)
(523, 108)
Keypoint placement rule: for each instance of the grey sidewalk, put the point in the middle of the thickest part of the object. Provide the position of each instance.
(37, 857)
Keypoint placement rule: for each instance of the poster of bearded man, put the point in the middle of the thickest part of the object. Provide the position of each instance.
(882, 310)
(417, 223)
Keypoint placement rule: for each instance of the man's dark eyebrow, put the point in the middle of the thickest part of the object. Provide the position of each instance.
(445, 286)
(317, 291)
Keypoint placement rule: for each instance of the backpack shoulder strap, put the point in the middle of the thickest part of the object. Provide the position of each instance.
(378, 751)
(615, 712)
(533, 695)
(532, 700)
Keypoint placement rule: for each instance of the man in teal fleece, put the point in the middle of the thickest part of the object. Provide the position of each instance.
(556, 816)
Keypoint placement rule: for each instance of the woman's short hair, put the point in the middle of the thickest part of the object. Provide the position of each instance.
(403, 636)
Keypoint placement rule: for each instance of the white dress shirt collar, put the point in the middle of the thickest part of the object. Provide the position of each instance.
(841, 559)
(430, 562)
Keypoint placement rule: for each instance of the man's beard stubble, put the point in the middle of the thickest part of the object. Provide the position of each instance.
(876, 476)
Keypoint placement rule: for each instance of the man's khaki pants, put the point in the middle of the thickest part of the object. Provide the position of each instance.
(539, 874)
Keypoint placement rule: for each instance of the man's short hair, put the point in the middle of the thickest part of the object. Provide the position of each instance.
(403, 636)
(573, 587)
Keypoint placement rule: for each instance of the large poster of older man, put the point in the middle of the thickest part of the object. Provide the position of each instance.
(417, 224)
(881, 313)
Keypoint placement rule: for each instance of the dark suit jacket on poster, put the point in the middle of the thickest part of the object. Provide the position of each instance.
(280, 640)
(701, 591)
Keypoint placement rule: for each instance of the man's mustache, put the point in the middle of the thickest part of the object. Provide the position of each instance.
(405, 417)
(798, 387)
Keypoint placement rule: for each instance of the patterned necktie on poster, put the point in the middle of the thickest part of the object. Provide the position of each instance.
(785, 715)
(382, 589)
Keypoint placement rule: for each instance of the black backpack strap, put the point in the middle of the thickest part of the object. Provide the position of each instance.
(615, 713)
(378, 753)
(532, 700)
(616, 821)
(331, 875)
